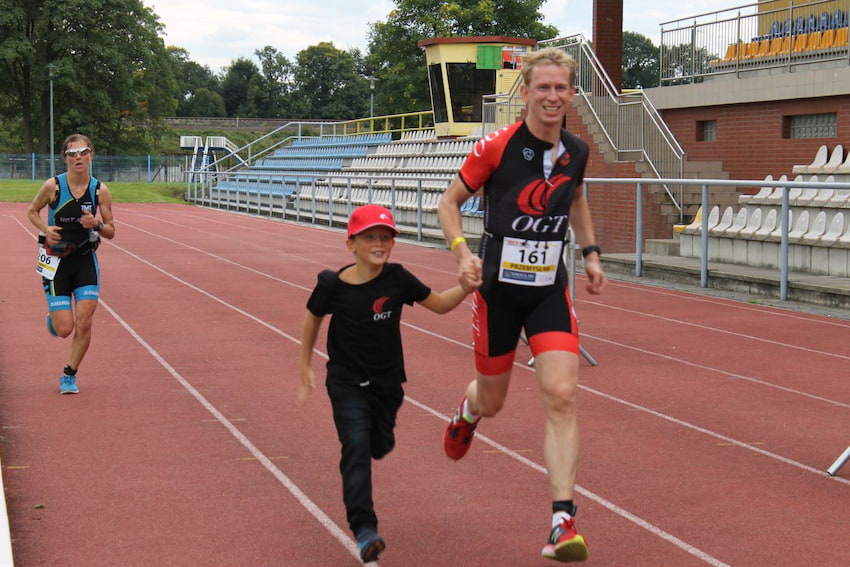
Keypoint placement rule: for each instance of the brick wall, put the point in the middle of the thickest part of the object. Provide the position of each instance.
(752, 138)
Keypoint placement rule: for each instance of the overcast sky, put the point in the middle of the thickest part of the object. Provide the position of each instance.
(216, 32)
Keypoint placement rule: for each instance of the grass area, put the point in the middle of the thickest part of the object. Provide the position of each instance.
(23, 191)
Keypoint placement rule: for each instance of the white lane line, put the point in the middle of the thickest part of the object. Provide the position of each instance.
(697, 428)
(718, 330)
(293, 489)
(688, 425)
(311, 244)
(611, 506)
(768, 311)
(595, 303)
(719, 371)
(618, 510)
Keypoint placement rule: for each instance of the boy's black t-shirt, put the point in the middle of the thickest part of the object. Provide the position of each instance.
(364, 335)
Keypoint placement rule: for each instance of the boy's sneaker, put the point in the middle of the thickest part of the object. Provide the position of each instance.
(68, 385)
(50, 328)
(371, 545)
(565, 544)
(459, 434)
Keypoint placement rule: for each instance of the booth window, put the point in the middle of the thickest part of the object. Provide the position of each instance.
(467, 85)
(438, 93)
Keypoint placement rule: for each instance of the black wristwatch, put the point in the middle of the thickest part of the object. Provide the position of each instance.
(590, 250)
(99, 227)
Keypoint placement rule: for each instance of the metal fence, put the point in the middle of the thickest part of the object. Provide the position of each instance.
(301, 205)
(732, 184)
(167, 169)
(754, 37)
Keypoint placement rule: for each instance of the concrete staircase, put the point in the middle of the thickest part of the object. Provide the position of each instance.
(690, 197)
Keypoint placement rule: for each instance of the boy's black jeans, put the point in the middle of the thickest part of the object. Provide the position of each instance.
(365, 419)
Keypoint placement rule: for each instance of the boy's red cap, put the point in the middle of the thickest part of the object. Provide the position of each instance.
(367, 216)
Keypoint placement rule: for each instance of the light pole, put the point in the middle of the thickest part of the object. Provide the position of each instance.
(371, 95)
(50, 75)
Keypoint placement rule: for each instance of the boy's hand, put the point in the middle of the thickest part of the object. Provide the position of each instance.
(308, 382)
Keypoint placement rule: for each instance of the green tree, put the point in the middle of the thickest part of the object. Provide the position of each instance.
(204, 102)
(111, 75)
(330, 82)
(235, 85)
(640, 61)
(399, 63)
(192, 78)
(271, 90)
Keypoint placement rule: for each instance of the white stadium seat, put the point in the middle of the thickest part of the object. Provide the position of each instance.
(753, 224)
(819, 161)
(834, 232)
(816, 230)
(801, 227)
(725, 222)
(738, 224)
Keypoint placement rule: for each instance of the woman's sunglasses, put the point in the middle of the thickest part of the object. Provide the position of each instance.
(74, 152)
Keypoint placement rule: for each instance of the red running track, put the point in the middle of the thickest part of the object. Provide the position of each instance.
(706, 427)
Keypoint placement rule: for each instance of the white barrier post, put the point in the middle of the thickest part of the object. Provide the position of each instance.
(845, 456)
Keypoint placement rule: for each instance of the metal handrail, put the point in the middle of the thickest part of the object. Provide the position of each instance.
(629, 121)
(705, 183)
(692, 48)
(399, 183)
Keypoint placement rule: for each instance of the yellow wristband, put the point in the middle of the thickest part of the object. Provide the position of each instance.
(455, 242)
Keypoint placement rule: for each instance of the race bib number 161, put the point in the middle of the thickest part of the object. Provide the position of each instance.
(529, 262)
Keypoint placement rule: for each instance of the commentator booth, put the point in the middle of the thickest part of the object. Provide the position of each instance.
(462, 70)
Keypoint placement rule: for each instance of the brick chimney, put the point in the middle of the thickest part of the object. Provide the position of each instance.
(608, 37)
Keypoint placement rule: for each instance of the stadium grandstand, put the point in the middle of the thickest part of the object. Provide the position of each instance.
(753, 103)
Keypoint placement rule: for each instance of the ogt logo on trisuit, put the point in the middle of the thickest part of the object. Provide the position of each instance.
(534, 197)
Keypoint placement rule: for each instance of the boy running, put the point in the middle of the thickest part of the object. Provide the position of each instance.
(365, 369)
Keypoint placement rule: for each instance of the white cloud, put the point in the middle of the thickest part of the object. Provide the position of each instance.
(217, 32)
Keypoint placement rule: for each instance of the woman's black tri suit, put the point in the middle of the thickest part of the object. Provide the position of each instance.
(78, 273)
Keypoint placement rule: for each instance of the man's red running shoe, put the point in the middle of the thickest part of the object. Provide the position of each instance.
(565, 544)
(459, 434)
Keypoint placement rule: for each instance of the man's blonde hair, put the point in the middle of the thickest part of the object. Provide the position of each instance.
(548, 56)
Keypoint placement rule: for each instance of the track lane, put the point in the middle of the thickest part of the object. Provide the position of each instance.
(429, 381)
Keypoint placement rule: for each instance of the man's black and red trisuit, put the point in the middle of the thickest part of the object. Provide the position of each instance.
(527, 202)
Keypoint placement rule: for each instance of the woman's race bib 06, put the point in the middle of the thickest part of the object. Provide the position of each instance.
(529, 262)
(47, 264)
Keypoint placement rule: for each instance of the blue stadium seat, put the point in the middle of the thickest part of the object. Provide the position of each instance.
(799, 26)
(774, 30)
(811, 24)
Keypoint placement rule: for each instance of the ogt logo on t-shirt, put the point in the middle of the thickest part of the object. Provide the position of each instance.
(378, 309)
